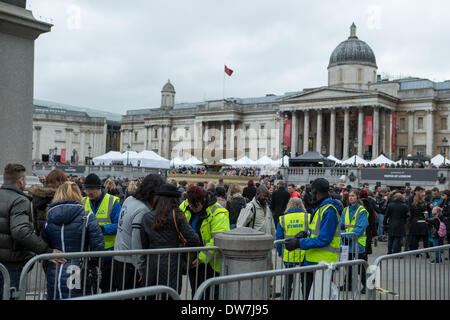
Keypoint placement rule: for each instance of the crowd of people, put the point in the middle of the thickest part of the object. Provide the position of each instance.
(75, 214)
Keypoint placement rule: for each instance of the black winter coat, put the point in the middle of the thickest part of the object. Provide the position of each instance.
(280, 199)
(417, 224)
(62, 231)
(42, 197)
(395, 218)
(159, 271)
(234, 208)
(18, 239)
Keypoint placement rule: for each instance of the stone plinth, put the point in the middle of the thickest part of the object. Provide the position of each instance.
(245, 250)
(18, 31)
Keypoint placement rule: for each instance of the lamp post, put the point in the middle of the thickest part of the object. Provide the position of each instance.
(56, 153)
(90, 149)
(128, 153)
(355, 145)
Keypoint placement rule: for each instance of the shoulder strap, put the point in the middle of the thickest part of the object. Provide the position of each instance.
(180, 236)
(254, 215)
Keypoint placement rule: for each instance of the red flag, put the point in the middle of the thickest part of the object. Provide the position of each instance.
(63, 156)
(287, 133)
(228, 71)
(394, 131)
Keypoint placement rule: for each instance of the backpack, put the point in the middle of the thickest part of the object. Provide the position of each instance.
(442, 232)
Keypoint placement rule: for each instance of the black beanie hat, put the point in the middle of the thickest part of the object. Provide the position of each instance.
(168, 190)
(92, 182)
(321, 185)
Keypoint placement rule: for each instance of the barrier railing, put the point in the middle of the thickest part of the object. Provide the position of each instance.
(156, 291)
(410, 275)
(318, 282)
(6, 283)
(82, 274)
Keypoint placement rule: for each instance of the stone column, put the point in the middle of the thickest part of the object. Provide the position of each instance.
(345, 155)
(231, 146)
(391, 137)
(82, 155)
(68, 143)
(306, 132)
(430, 133)
(319, 131)
(198, 140)
(167, 138)
(245, 250)
(18, 32)
(220, 156)
(361, 132)
(383, 131)
(147, 137)
(294, 134)
(376, 132)
(160, 142)
(281, 127)
(333, 132)
(37, 145)
(410, 132)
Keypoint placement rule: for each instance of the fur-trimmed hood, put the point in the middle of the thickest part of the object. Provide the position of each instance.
(42, 192)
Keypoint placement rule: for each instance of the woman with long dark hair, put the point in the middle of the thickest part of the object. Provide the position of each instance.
(161, 228)
(418, 227)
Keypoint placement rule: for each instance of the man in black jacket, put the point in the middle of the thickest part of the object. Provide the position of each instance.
(280, 199)
(249, 191)
(18, 239)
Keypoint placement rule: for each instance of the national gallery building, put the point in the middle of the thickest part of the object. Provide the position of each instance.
(358, 112)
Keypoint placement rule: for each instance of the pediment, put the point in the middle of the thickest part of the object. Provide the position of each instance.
(329, 93)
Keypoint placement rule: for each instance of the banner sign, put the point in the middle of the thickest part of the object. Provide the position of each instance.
(73, 169)
(394, 131)
(287, 133)
(63, 155)
(369, 131)
(412, 175)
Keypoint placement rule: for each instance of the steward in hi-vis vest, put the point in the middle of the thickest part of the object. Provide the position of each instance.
(290, 224)
(105, 207)
(356, 219)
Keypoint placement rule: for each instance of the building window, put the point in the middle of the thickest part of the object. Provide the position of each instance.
(341, 76)
(402, 152)
(421, 151)
(360, 75)
(402, 124)
(136, 135)
(155, 133)
(420, 123)
(443, 123)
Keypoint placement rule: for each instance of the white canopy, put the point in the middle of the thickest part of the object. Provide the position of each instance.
(278, 163)
(192, 162)
(333, 158)
(227, 161)
(150, 159)
(129, 156)
(245, 162)
(382, 160)
(107, 158)
(176, 162)
(264, 162)
(439, 159)
(359, 160)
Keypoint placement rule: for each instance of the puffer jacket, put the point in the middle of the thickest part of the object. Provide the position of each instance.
(62, 231)
(159, 270)
(18, 240)
(234, 207)
(42, 197)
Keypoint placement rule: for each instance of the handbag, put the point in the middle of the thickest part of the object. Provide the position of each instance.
(184, 261)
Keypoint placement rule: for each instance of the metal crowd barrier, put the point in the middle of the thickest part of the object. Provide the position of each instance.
(326, 282)
(136, 293)
(6, 283)
(410, 275)
(34, 285)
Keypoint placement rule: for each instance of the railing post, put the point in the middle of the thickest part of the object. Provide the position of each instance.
(245, 250)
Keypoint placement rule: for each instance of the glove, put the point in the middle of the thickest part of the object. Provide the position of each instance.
(294, 243)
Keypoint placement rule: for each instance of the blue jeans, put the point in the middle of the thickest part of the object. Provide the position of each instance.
(436, 243)
(15, 280)
(394, 244)
(380, 225)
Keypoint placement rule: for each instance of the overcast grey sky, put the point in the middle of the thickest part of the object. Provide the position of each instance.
(117, 55)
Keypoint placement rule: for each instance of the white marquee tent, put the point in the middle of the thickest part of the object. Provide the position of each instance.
(150, 159)
(107, 158)
(333, 158)
(245, 162)
(381, 160)
(129, 157)
(351, 161)
(439, 159)
(229, 162)
(265, 162)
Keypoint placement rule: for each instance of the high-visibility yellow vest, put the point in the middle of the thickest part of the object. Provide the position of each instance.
(103, 215)
(329, 253)
(217, 221)
(362, 240)
(293, 223)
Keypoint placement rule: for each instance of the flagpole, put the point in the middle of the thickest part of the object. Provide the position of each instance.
(223, 89)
